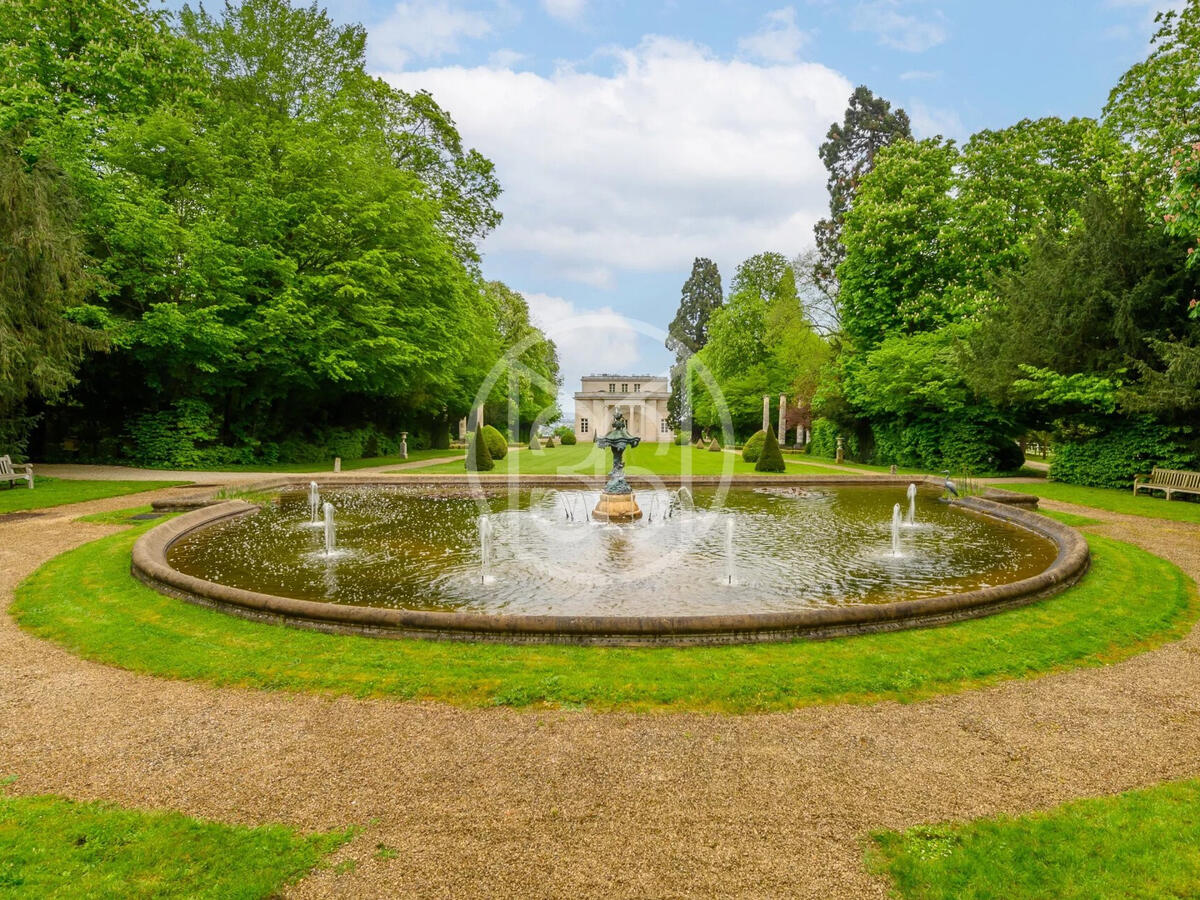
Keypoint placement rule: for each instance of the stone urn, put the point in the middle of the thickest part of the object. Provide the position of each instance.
(617, 503)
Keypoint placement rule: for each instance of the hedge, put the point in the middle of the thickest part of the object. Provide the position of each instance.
(1132, 448)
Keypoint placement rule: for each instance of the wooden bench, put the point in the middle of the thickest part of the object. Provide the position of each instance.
(11, 475)
(1173, 481)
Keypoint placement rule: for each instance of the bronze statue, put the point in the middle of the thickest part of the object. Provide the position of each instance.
(618, 440)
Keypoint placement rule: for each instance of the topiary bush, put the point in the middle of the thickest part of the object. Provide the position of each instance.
(549, 443)
(497, 444)
(1133, 448)
(714, 446)
(753, 447)
(533, 441)
(771, 458)
(479, 456)
(566, 436)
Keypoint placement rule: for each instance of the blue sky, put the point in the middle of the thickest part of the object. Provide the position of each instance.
(631, 136)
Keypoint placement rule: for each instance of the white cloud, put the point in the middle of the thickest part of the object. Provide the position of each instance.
(588, 340)
(672, 155)
(920, 75)
(505, 58)
(780, 40)
(928, 121)
(895, 28)
(423, 29)
(565, 10)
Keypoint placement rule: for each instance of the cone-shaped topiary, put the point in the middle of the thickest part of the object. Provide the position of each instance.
(713, 446)
(496, 442)
(753, 447)
(771, 459)
(479, 459)
(549, 442)
(700, 442)
(533, 441)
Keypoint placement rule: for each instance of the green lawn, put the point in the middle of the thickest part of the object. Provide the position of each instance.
(1140, 844)
(648, 459)
(52, 847)
(1114, 501)
(348, 465)
(900, 470)
(87, 601)
(57, 491)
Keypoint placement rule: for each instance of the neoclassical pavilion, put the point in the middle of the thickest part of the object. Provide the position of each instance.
(643, 399)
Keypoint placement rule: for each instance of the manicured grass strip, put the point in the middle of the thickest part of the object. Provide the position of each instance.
(1070, 518)
(900, 470)
(326, 465)
(118, 516)
(87, 601)
(647, 459)
(58, 491)
(1139, 844)
(52, 847)
(1114, 501)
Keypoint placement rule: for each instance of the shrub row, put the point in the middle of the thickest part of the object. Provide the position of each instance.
(1112, 459)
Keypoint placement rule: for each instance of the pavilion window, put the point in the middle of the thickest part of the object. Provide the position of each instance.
(624, 388)
(612, 388)
(637, 388)
(583, 426)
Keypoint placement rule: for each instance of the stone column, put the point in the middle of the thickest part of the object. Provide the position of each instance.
(782, 433)
(766, 412)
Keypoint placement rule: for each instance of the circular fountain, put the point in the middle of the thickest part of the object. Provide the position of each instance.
(547, 560)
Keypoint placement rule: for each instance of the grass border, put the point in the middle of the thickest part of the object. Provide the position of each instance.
(87, 601)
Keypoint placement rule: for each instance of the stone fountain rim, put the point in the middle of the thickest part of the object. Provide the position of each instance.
(150, 565)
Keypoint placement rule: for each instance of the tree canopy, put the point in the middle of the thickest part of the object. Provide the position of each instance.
(273, 244)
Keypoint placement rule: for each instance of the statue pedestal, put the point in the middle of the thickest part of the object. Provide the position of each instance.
(617, 508)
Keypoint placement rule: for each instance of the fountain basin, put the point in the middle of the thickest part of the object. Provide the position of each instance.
(1066, 561)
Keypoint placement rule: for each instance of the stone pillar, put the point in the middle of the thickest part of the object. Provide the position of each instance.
(766, 412)
(782, 430)
(841, 450)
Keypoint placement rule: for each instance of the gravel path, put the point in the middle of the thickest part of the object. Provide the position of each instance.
(482, 803)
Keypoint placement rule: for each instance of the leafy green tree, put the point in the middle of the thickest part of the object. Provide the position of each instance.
(1156, 103)
(529, 363)
(1014, 182)
(1101, 301)
(848, 153)
(688, 332)
(1156, 106)
(905, 259)
(760, 342)
(44, 279)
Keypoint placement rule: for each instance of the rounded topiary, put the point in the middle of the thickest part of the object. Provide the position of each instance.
(714, 446)
(753, 447)
(770, 459)
(533, 441)
(497, 444)
(479, 458)
(566, 437)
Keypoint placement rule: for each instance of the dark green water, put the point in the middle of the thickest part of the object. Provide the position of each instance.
(419, 549)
